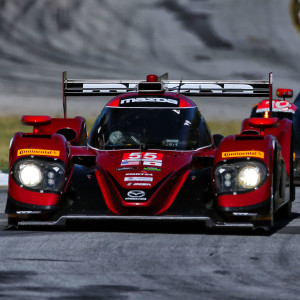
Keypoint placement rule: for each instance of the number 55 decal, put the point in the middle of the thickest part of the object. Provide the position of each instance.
(146, 158)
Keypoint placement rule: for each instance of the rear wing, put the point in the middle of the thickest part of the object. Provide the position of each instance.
(192, 88)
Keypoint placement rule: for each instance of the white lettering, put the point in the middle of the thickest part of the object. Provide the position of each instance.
(108, 87)
(212, 88)
(152, 100)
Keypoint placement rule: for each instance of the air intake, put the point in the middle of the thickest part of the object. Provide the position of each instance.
(150, 87)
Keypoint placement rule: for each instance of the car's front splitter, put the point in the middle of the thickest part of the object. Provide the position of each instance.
(206, 220)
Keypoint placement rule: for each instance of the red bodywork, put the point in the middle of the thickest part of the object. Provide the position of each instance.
(175, 167)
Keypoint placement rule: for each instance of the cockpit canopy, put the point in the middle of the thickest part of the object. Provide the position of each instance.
(169, 128)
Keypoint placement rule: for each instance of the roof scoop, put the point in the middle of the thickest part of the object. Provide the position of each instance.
(152, 85)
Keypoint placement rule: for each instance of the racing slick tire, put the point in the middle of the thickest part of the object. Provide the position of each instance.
(268, 222)
(285, 211)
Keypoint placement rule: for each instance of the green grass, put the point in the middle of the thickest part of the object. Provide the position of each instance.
(225, 127)
(10, 125)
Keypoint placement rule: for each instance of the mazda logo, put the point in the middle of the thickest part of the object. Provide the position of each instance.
(136, 194)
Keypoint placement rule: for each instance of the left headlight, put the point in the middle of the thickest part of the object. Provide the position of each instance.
(239, 176)
(43, 174)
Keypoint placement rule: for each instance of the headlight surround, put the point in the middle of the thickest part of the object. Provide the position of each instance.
(42, 174)
(239, 176)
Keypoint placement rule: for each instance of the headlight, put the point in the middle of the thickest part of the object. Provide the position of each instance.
(240, 176)
(42, 174)
(30, 174)
(249, 177)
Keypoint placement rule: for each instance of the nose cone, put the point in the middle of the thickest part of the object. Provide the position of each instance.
(141, 180)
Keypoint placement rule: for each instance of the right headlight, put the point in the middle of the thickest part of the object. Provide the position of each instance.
(39, 174)
(239, 176)
(30, 174)
(249, 177)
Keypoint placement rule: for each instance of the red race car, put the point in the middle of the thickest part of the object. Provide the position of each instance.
(284, 109)
(150, 156)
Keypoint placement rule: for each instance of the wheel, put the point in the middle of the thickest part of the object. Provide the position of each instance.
(285, 211)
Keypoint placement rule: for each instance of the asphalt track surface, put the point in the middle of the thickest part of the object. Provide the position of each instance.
(153, 261)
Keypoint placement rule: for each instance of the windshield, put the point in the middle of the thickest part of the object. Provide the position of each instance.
(150, 128)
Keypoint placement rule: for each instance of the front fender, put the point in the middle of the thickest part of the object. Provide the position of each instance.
(50, 153)
(238, 151)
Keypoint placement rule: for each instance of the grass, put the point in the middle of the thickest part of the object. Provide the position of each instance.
(225, 127)
(10, 125)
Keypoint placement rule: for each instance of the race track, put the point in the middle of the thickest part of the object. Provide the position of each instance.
(157, 261)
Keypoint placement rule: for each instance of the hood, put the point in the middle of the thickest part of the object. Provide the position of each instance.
(141, 182)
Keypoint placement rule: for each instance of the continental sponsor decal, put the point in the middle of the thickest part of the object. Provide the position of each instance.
(42, 152)
(249, 153)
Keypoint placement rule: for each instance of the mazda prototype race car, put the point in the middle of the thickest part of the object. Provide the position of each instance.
(150, 156)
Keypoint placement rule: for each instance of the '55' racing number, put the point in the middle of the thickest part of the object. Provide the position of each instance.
(146, 158)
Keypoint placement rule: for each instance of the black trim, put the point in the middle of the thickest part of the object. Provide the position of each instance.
(194, 195)
(84, 192)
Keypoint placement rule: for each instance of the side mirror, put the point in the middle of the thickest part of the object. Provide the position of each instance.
(36, 121)
(284, 93)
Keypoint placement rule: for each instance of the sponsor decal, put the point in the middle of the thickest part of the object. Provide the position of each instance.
(244, 214)
(149, 179)
(136, 195)
(139, 174)
(153, 100)
(277, 106)
(249, 153)
(185, 87)
(130, 163)
(28, 212)
(171, 143)
(107, 87)
(141, 184)
(42, 152)
(127, 168)
(152, 169)
(142, 158)
(214, 88)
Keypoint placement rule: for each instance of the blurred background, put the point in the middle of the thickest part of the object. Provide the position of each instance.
(128, 39)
